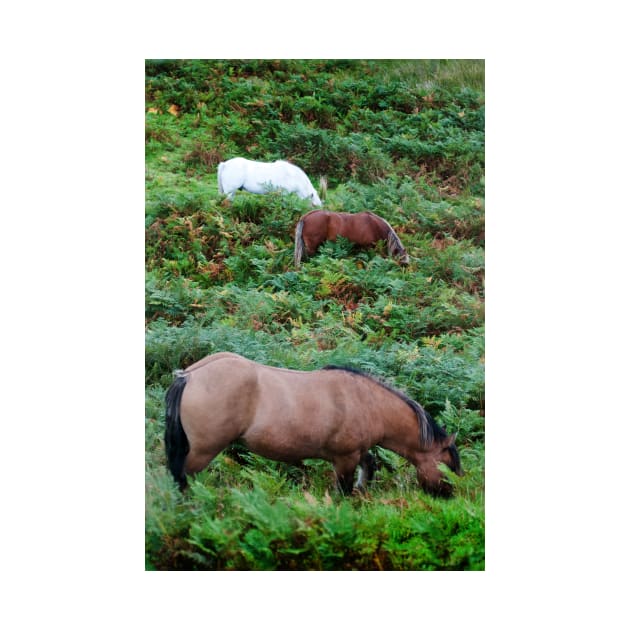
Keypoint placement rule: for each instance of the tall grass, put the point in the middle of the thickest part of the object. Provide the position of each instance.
(403, 139)
(446, 73)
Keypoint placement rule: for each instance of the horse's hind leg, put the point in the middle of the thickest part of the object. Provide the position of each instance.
(198, 460)
(229, 197)
(311, 245)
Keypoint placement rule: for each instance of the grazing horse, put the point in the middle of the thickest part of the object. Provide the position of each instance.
(261, 177)
(336, 414)
(362, 228)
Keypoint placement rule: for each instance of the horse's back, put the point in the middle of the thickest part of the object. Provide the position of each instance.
(232, 385)
(315, 216)
(230, 165)
(211, 358)
(235, 161)
(253, 176)
(291, 170)
(336, 223)
(307, 414)
(362, 228)
(227, 360)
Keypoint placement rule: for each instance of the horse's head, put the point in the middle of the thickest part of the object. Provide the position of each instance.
(315, 200)
(395, 247)
(403, 257)
(400, 253)
(430, 476)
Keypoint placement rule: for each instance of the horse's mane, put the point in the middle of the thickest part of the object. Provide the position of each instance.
(394, 244)
(430, 430)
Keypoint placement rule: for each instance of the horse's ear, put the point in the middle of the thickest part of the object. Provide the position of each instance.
(450, 440)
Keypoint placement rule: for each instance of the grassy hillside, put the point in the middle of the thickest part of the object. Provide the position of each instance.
(404, 139)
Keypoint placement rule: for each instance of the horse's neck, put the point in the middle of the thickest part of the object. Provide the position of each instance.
(401, 429)
(384, 228)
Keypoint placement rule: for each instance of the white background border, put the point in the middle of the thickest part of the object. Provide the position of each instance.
(73, 331)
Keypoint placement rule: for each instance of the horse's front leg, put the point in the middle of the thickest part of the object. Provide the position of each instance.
(344, 469)
(367, 468)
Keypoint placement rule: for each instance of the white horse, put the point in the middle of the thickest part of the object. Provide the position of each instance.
(260, 177)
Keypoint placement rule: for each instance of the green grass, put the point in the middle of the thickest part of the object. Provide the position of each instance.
(445, 73)
(404, 139)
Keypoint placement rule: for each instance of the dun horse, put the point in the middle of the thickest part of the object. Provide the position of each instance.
(261, 177)
(362, 228)
(335, 414)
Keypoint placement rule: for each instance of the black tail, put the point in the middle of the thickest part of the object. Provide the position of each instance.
(175, 439)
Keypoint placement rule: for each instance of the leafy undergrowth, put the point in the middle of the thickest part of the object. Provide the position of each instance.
(235, 517)
(404, 141)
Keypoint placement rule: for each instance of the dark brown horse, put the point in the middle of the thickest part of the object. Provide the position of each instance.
(335, 414)
(362, 228)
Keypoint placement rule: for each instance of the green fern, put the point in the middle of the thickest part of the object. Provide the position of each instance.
(403, 139)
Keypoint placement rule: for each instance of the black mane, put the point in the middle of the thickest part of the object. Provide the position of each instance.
(430, 430)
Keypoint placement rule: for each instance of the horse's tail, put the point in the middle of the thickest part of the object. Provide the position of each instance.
(219, 177)
(299, 243)
(175, 439)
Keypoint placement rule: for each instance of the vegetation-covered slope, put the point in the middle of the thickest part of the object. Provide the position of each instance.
(402, 139)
